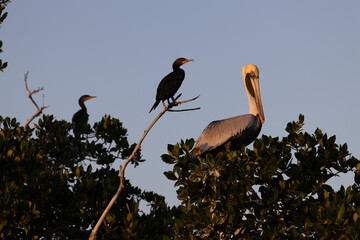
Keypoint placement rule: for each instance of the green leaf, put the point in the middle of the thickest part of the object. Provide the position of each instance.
(175, 152)
(128, 217)
(340, 213)
(168, 159)
(77, 172)
(170, 175)
(355, 217)
(282, 184)
(326, 195)
(358, 167)
(4, 65)
(301, 118)
(10, 153)
(2, 18)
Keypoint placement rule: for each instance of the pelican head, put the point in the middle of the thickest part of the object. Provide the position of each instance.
(250, 75)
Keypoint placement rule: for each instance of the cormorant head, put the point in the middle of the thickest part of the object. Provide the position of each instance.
(84, 98)
(180, 61)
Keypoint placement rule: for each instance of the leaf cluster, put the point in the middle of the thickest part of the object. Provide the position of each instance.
(55, 186)
(3, 15)
(48, 189)
(277, 190)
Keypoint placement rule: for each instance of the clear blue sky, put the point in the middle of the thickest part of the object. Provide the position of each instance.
(308, 54)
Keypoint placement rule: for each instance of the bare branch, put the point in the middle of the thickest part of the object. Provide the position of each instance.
(175, 103)
(254, 193)
(39, 110)
(132, 156)
(184, 110)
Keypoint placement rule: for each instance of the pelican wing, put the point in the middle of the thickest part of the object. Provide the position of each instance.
(219, 132)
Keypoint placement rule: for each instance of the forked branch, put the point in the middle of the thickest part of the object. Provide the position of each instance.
(175, 103)
(30, 93)
(132, 156)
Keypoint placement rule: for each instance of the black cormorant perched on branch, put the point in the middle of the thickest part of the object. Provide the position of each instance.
(82, 116)
(171, 82)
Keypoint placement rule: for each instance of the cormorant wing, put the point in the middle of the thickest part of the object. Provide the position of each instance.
(170, 84)
(80, 116)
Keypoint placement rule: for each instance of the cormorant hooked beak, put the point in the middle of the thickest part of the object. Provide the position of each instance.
(89, 97)
(187, 60)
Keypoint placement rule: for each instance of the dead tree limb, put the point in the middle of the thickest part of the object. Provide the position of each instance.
(30, 93)
(132, 156)
(184, 110)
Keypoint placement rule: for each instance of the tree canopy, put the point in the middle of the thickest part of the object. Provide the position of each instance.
(56, 186)
(277, 190)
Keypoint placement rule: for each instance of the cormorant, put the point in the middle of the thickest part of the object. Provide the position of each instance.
(171, 83)
(82, 116)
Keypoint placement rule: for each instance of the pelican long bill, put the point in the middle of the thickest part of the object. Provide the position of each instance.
(258, 99)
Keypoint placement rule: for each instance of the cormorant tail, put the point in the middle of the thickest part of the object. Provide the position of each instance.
(155, 105)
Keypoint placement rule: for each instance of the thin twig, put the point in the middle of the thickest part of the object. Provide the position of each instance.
(131, 157)
(181, 102)
(254, 193)
(250, 211)
(184, 110)
(39, 110)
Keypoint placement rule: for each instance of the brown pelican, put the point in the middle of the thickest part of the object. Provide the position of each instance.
(171, 82)
(232, 133)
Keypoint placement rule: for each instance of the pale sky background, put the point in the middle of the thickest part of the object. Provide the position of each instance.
(308, 53)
